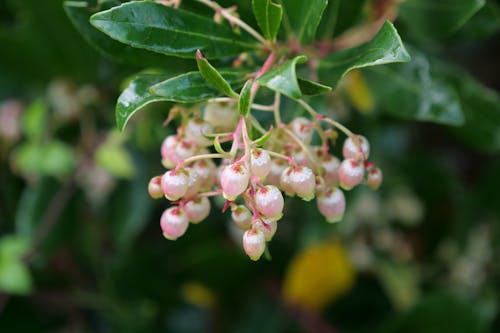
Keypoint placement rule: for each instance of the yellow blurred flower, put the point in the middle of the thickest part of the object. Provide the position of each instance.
(318, 275)
(358, 92)
(197, 294)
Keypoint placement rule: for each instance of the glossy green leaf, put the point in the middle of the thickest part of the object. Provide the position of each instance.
(386, 47)
(303, 17)
(268, 16)
(79, 13)
(192, 87)
(213, 76)
(430, 18)
(413, 91)
(312, 88)
(244, 101)
(170, 31)
(283, 78)
(136, 96)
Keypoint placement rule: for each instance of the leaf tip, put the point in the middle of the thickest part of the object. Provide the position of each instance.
(200, 55)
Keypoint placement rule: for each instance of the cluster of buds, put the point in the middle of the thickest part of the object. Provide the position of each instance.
(253, 175)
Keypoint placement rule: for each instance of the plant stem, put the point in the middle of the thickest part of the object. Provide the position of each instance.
(202, 157)
(209, 194)
(236, 21)
(332, 122)
(302, 146)
(259, 107)
(276, 108)
(278, 155)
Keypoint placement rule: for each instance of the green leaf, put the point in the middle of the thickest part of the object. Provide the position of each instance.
(13, 246)
(57, 159)
(34, 119)
(312, 88)
(170, 31)
(443, 312)
(483, 24)
(268, 16)
(32, 205)
(213, 76)
(113, 156)
(264, 138)
(283, 78)
(54, 158)
(192, 87)
(217, 146)
(481, 107)
(414, 91)
(79, 13)
(244, 101)
(400, 282)
(386, 47)
(303, 17)
(128, 222)
(136, 96)
(15, 277)
(430, 18)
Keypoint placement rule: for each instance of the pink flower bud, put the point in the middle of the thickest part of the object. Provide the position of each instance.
(242, 217)
(198, 209)
(196, 129)
(277, 168)
(154, 187)
(174, 184)
(303, 182)
(374, 178)
(206, 171)
(332, 204)
(356, 147)
(286, 181)
(350, 173)
(168, 154)
(331, 165)
(194, 183)
(218, 172)
(266, 226)
(174, 223)
(301, 127)
(222, 116)
(254, 243)
(234, 180)
(260, 163)
(269, 201)
(300, 156)
(184, 150)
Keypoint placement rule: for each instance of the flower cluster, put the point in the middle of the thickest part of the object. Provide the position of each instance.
(252, 175)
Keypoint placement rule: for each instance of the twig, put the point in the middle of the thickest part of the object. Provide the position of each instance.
(234, 20)
(50, 216)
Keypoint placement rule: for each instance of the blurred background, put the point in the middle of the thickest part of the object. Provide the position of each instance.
(80, 243)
